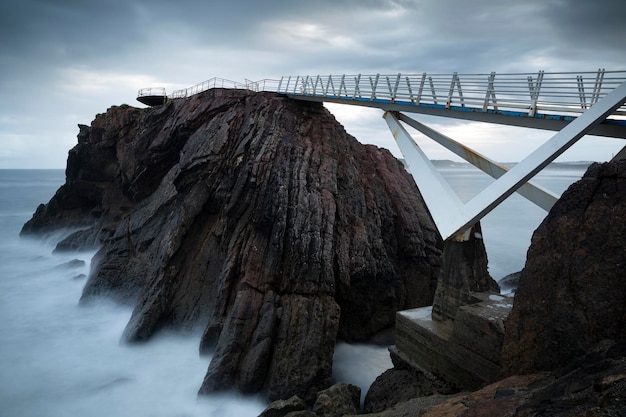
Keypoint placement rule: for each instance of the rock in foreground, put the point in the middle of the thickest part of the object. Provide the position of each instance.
(572, 293)
(254, 219)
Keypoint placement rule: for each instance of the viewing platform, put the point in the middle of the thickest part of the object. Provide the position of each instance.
(154, 96)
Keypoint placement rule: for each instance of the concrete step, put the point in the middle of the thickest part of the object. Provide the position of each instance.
(465, 351)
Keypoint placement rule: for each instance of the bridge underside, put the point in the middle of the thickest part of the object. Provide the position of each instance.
(614, 128)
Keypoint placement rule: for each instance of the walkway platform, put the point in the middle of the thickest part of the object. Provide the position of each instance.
(541, 100)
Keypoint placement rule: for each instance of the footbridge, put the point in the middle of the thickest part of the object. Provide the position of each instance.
(572, 104)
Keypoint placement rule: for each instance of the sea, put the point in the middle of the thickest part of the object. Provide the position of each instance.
(61, 359)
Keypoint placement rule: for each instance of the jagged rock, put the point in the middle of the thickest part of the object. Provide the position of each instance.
(464, 272)
(511, 281)
(74, 263)
(338, 400)
(282, 408)
(390, 388)
(572, 290)
(401, 383)
(255, 218)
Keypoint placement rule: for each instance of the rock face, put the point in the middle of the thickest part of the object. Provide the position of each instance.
(464, 273)
(571, 298)
(253, 218)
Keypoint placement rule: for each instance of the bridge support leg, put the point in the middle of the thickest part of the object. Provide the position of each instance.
(533, 192)
(453, 217)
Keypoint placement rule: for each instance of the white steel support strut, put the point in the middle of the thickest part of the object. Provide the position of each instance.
(443, 203)
(535, 193)
(450, 215)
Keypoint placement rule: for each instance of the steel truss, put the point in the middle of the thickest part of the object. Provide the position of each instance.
(453, 217)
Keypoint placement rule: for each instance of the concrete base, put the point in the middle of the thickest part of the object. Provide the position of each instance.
(466, 351)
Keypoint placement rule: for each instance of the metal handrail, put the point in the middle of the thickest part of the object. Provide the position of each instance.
(563, 93)
(215, 82)
(152, 91)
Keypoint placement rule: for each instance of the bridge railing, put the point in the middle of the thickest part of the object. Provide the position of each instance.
(152, 91)
(563, 93)
(215, 82)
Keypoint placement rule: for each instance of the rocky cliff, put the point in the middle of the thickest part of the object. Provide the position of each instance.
(251, 218)
(565, 338)
(571, 299)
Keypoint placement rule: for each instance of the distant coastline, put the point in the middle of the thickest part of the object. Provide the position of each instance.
(446, 163)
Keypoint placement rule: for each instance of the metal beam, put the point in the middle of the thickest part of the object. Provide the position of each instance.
(453, 217)
(602, 129)
(533, 192)
(442, 202)
(498, 191)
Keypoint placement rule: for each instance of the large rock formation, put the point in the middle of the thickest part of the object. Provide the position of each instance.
(253, 218)
(571, 298)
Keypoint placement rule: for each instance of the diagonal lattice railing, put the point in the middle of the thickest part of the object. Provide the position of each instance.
(535, 95)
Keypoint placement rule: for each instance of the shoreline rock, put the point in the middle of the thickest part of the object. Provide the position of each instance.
(254, 218)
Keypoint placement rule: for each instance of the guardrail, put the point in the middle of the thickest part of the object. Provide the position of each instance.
(215, 82)
(563, 93)
(152, 91)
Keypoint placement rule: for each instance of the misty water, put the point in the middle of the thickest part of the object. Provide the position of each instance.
(61, 359)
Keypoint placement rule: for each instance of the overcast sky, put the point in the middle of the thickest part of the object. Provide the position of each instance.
(64, 61)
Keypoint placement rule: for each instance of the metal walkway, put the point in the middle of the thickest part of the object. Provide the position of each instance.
(574, 104)
(541, 100)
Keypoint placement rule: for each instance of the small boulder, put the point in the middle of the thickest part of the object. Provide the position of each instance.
(338, 400)
(282, 408)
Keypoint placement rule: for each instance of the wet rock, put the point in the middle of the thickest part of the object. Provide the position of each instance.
(464, 272)
(571, 293)
(510, 282)
(73, 264)
(338, 400)
(282, 408)
(254, 219)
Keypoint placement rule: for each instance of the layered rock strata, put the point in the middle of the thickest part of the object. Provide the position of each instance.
(254, 219)
(571, 298)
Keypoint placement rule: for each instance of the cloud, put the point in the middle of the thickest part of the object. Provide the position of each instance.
(63, 61)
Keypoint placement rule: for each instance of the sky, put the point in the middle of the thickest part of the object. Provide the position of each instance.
(64, 61)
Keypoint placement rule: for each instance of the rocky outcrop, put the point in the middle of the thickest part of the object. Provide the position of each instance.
(254, 219)
(594, 385)
(571, 298)
(464, 273)
(402, 383)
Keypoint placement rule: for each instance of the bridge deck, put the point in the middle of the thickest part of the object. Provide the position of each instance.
(547, 101)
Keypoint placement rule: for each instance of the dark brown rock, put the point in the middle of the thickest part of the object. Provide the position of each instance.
(282, 408)
(572, 292)
(254, 218)
(464, 272)
(338, 400)
(401, 383)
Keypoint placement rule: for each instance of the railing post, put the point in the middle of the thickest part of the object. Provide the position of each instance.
(534, 89)
(330, 84)
(408, 86)
(598, 86)
(581, 92)
(457, 82)
(317, 80)
(490, 93)
(432, 89)
(374, 85)
(357, 90)
(394, 91)
(306, 83)
(421, 89)
(342, 85)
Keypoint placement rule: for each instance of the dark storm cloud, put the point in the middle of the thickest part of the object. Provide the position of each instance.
(89, 54)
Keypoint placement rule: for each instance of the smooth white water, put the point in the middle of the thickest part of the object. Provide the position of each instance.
(61, 359)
